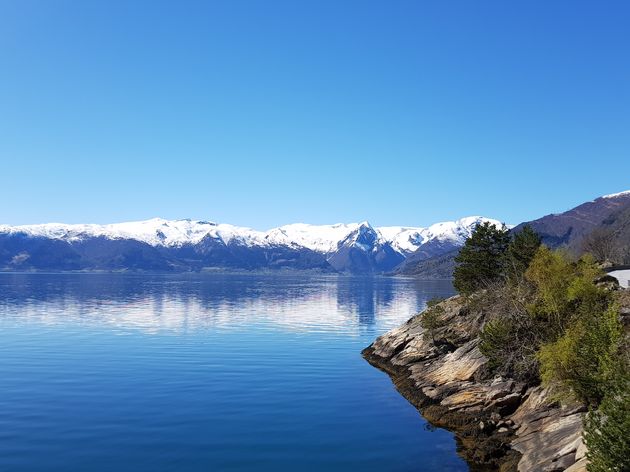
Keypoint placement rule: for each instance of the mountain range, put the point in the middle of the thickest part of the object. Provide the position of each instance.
(572, 229)
(189, 245)
(606, 217)
(357, 248)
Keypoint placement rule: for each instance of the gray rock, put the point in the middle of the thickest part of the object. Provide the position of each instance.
(450, 390)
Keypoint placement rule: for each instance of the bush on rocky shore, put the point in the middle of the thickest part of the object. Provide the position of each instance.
(557, 326)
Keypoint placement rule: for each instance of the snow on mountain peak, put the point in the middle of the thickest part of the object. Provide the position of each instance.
(156, 231)
(618, 194)
(320, 238)
(407, 240)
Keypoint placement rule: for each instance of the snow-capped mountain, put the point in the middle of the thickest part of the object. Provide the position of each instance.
(155, 232)
(319, 238)
(608, 214)
(159, 244)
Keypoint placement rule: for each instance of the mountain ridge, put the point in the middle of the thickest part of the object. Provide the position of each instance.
(571, 229)
(159, 244)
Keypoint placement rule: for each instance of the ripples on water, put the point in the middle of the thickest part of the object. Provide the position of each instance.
(207, 372)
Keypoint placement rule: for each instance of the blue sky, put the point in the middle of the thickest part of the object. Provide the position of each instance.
(262, 113)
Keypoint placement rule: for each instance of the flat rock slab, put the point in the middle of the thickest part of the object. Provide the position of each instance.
(498, 422)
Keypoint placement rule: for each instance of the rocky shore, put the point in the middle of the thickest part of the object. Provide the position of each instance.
(499, 423)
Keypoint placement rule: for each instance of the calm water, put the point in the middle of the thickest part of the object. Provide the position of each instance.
(206, 373)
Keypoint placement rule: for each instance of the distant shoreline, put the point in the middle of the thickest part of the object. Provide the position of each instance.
(279, 272)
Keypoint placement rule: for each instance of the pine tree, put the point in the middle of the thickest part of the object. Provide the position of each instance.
(481, 261)
(521, 251)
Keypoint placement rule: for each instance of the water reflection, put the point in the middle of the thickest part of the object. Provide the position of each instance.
(192, 302)
(206, 372)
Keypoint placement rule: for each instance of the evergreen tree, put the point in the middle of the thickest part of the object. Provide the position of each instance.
(521, 251)
(481, 261)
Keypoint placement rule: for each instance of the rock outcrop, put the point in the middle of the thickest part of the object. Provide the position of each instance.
(499, 423)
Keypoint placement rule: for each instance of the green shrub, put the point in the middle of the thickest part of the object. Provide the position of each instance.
(551, 273)
(579, 362)
(582, 292)
(496, 344)
(559, 327)
(607, 429)
(552, 323)
(432, 318)
(435, 301)
(510, 344)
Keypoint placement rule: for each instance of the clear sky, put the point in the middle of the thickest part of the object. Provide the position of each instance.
(261, 113)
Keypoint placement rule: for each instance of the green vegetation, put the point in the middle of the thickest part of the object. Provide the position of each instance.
(434, 302)
(480, 261)
(555, 325)
(496, 338)
(432, 318)
(606, 429)
(520, 252)
(579, 362)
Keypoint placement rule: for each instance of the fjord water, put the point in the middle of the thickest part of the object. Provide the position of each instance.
(113, 372)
